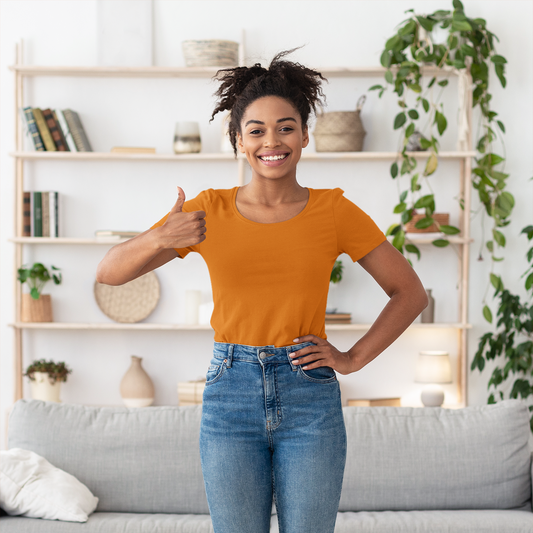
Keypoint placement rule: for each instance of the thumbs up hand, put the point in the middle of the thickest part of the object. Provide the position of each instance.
(182, 229)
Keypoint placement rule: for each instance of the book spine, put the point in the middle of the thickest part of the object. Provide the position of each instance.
(54, 214)
(54, 130)
(37, 214)
(26, 214)
(43, 130)
(33, 130)
(45, 201)
(76, 128)
(66, 132)
(60, 130)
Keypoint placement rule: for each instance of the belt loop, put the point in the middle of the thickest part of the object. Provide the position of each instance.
(230, 355)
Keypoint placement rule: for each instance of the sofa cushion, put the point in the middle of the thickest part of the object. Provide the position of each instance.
(403, 458)
(143, 460)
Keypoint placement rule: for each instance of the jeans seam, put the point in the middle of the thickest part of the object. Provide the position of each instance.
(280, 527)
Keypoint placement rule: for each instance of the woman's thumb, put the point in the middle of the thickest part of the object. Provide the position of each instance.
(178, 206)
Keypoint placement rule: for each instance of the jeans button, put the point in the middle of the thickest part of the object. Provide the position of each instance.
(262, 355)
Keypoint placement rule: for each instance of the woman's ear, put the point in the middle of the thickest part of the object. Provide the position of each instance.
(305, 138)
(240, 144)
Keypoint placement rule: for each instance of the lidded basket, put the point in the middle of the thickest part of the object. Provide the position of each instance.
(340, 131)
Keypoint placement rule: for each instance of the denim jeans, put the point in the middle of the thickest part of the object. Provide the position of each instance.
(271, 430)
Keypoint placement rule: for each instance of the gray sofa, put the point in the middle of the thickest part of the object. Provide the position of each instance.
(408, 469)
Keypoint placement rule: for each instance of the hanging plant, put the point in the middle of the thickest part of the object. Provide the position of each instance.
(469, 48)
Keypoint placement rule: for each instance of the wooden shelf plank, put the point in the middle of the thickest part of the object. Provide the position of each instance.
(197, 72)
(200, 327)
(306, 156)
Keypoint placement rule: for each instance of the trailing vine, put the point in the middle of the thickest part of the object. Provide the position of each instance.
(469, 47)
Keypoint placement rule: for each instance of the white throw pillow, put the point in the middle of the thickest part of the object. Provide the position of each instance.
(30, 486)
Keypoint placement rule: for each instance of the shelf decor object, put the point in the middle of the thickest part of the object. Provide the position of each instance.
(210, 53)
(433, 368)
(187, 138)
(428, 314)
(191, 392)
(340, 131)
(136, 387)
(439, 219)
(46, 378)
(131, 302)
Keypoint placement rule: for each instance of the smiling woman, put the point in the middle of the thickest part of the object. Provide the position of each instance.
(272, 421)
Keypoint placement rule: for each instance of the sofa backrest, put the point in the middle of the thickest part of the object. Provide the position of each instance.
(402, 458)
(143, 460)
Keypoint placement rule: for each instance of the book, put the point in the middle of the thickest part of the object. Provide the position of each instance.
(190, 392)
(76, 128)
(33, 130)
(26, 214)
(338, 318)
(110, 234)
(64, 129)
(132, 150)
(392, 402)
(54, 213)
(45, 208)
(46, 136)
(53, 126)
(37, 226)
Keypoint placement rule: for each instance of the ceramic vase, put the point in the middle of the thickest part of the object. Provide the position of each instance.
(42, 388)
(36, 310)
(136, 387)
(187, 138)
(428, 314)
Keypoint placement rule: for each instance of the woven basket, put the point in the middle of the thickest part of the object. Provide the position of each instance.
(340, 131)
(131, 302)
(440, 218)
(211, 53)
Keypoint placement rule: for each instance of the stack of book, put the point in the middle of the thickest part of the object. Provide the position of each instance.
(56, 130)
(40, 212)
(191, 392)
(338, 318)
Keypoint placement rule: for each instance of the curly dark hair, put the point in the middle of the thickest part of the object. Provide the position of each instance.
(240, 86)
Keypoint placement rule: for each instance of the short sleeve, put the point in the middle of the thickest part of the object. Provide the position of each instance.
(357, 233)
(199, 203)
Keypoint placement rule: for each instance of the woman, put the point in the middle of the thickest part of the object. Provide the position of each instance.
(272, 424)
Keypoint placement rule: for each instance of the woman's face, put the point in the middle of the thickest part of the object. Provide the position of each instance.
(272, 137)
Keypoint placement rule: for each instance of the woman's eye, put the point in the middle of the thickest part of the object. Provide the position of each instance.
(287, 128)
(254, 132)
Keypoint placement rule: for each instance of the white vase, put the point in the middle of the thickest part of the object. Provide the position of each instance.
(42, 388)
(136, 387)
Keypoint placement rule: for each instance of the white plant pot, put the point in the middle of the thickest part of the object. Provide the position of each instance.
(42, 388)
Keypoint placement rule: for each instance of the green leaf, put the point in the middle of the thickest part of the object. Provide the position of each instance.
(403, 196)
(487, 313)
(529, 281)
(400, 120)
(505, 201)
(431, 165)
(34, 293)
(528, 230)
(425, 23)
(409, 131)
(375, 87)
(498, 59)
(393, 229)
(497, 282)
(393, 42)
(413, 113)
(490, 246)
(440, 243)
(502, 127)
(440, 119)
(394, 170)
(414, 184)
(425, 105)
(461, 25)
(468, 50)
(412, 249)
(425, 201)
(443, 83)
(433, 80)
(449, 230)
(389, 77)
(399, 240)
(499, 237)
(415, 87)
(400, 208)
(424, 223)
(385, 59)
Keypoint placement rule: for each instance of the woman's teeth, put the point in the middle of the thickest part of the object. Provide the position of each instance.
(272, 157)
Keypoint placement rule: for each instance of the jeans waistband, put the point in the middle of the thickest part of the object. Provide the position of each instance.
(255, 354)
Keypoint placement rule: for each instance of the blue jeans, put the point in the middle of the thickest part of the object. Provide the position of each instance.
(271, 430)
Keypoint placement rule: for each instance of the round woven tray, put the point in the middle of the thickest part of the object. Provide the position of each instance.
(131, 302)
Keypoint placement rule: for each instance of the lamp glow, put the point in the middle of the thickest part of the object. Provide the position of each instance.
(433, 367)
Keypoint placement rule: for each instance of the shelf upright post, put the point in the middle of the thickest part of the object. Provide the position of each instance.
(19, 184)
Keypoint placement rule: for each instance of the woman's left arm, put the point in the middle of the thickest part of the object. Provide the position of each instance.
(407, 300)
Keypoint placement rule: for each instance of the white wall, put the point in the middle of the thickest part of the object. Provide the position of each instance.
(126, 195)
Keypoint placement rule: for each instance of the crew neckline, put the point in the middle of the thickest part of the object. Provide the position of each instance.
(300, 214)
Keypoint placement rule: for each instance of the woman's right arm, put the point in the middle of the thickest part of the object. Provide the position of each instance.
(154, 247)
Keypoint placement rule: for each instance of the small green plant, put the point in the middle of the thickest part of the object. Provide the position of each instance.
(56, 371)
(37, 276)
(336, 273)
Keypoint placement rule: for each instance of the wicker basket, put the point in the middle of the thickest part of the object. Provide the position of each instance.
(340, 131)
(211, 53)
(440, 218)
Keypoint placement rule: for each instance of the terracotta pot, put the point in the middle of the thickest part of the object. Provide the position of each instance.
(42, 387)
(136, 387)
(36, 310)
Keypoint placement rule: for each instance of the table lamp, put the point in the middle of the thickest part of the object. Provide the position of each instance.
(433, 367)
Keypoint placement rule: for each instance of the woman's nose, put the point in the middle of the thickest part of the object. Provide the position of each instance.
(271, 139)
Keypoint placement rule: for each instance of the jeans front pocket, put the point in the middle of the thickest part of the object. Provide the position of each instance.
(214, 373)
(322, 374)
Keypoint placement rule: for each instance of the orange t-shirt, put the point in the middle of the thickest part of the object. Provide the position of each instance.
(270, 281)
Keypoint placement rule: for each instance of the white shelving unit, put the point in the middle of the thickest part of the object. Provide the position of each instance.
(22, 157)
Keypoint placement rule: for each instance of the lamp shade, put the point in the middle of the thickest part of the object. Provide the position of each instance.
(433, 367)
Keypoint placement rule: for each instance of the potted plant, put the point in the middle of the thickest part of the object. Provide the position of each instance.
(45, 379)
(37, 307)
(335, 278)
